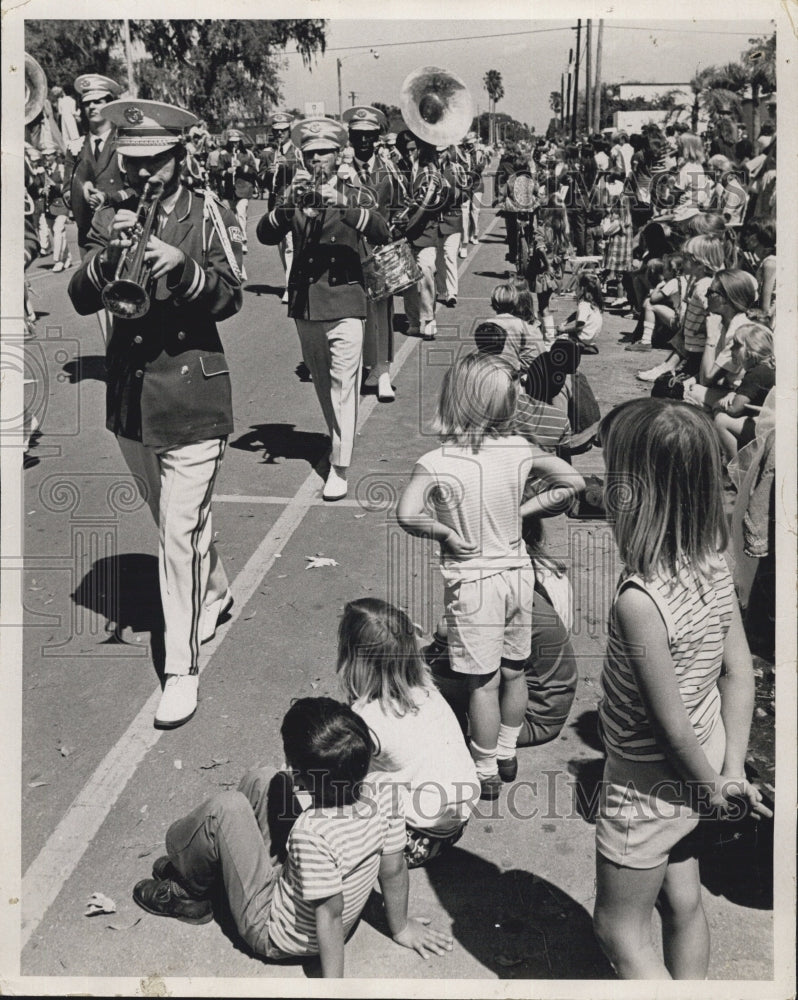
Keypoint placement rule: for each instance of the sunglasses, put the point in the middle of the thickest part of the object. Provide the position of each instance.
(717, 291)
(95, 101)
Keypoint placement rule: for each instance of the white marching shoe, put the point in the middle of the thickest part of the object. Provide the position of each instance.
(335, 488)
(430, 330)
(385, 391)
(178, 701)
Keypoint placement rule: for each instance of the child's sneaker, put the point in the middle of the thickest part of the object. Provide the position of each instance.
(491, 786)
(508, 768)
(166, 898)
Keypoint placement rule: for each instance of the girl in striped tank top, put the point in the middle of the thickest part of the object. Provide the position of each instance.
(677, 684)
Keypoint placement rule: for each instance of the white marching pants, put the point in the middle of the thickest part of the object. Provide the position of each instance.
(446, 278)
(420, 299)
(177, 484)
(333, 351)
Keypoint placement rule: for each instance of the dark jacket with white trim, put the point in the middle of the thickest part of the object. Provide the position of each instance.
(168, 381)
(326, 280)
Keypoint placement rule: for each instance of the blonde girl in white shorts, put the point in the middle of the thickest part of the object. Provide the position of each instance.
(467, 495)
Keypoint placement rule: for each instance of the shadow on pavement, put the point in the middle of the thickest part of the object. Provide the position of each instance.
(265, 289)
(278, 441)
(588, 775)
(124, 590)
(88, 367)
(498, 275)
(737, 861)
(515, 924)
(586, 727)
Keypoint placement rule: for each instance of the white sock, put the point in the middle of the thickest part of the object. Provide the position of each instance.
(549, 331)
(508, 741)
(648, 333)
(485, 761)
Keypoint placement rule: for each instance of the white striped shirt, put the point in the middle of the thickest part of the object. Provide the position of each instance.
(478, 494)
(697, 614)
(332, 850)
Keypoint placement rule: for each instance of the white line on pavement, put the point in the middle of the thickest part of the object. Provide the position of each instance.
(67, 844)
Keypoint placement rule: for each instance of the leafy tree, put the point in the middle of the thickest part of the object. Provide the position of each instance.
(66, 49)
(711, 94)
(221, 70)
(555, 101)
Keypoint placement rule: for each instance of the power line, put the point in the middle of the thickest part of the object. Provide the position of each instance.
(529, 31)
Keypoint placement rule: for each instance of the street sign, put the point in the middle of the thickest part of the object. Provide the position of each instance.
(314, 108)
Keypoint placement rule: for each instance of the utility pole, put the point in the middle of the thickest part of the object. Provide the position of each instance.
(568, 100)
(588, 102)
(352, 97)
(340, 103)
(575, 119)
(597, 88)
(562, 102)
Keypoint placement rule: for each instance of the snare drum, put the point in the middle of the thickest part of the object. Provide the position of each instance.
(389, 270)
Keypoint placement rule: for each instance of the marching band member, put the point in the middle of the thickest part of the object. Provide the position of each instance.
(420, 223)
(326, 296)
(474, 162)
(383, 179)
(450, 228)
(278, 166)
(168, 393)
(92, 169)
(239, 171)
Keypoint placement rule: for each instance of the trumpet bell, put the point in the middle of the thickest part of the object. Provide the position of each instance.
(436, 105)
(35, 88)
(126, 299)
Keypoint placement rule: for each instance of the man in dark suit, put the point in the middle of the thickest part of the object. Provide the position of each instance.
(91, 169)
(168, 394)
(326, 295)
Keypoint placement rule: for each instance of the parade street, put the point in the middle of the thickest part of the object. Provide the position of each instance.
(101, 785)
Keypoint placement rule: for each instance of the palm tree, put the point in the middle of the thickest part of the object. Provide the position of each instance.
(759, 67)
(711, 94)
(493, 84)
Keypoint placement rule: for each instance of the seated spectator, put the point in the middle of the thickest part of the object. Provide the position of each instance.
(752, 348)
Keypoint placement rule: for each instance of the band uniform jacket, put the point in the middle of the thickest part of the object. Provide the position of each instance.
(431, 215)
(167, 379)
(387, 183)
(326, 280)
(240, 183)
(80, 166)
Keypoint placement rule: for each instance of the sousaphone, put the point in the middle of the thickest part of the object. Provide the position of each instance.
(436, 105)
(35, 89)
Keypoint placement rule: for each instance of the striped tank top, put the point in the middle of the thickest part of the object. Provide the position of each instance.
(697, 614)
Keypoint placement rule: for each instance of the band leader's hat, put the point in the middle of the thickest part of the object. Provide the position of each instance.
(146, 128)
(281, 120)
(364, 118)
(319, 133)
(91, 86)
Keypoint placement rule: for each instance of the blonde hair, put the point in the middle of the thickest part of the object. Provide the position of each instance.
(477, 399)
(707, 250)
(663, 486)
(378, 657)
(757, 342)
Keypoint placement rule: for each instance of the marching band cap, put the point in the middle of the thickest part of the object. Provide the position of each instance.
(319, 133)
(390, 139)
(146, 128)
(90, 86)
(470, 137)
(234, 135)
(364, 118)
(281, 120)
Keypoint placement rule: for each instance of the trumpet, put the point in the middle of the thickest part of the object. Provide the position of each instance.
(127, 296)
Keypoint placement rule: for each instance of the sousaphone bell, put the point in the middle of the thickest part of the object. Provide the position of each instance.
(436, 105)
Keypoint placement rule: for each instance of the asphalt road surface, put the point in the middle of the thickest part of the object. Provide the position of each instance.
(100, 785)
